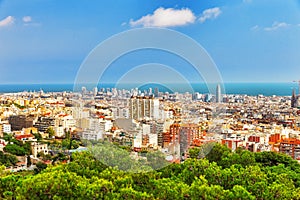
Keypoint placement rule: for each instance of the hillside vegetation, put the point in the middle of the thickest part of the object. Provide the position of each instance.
(222, 174)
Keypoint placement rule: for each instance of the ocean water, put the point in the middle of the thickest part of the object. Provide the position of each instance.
(267, 89)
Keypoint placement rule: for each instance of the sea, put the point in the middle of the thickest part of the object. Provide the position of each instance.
(251, 89)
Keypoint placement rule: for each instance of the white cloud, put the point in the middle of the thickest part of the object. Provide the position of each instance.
(255, 28)
(168, 17)
(7, 21)
(210, 13)
(27, 19)
(276, 25)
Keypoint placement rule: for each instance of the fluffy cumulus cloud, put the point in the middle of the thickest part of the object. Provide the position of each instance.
(27, 19)
(7, 21)
(168, 17)
(210, 13)
(276, 26)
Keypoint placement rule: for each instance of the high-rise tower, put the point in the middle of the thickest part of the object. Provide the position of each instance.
(218, 94)
(294, 99)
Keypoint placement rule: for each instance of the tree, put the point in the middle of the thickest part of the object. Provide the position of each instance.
(156, 160)
(40, 166)
(166, 188)
(15, 149)
(70, 144)
(201, 190)
(53, 184)
(99, 189)
(7, 159)
(194, 152)
(238, 192)
(218, 152)
(171, 170)
(44, 156)
(37, 136)
(112, 155)
(208, 192)
(130, 193)
(8, 186)
(2, 171)
(272, 159)
(7, 137)
(50, 131)
(86, 177)
(74, 144)
(193, 168)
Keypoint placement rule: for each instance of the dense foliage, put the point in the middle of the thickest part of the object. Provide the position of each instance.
(16, 147)
(7, 159)
(221, 175)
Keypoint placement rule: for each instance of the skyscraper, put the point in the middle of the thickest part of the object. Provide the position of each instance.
(294, 99)
(156, 92)
(218, 94)
(83, 90)
(95, 91)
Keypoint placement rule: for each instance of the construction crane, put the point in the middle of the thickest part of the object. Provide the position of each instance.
(298, 86)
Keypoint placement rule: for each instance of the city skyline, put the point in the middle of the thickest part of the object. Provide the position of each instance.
(249, 40)
(131, 99)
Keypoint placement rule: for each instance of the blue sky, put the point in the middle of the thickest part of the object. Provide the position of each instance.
(249, 40)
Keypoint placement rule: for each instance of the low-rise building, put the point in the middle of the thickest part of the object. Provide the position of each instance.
(39, 147)
(4, 128)
(91, 135)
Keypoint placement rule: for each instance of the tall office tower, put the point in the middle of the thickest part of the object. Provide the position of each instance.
(95, 91)
(83, 90)
(218, 94)
(150, 91)
(156, 92)
(294, 99)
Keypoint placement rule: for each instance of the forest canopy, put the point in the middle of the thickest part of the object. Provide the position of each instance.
(222, 174)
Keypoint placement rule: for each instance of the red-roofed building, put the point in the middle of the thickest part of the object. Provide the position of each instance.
(3, 143)
(25, 137)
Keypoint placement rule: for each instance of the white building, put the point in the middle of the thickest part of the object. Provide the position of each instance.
(153, 140)
(107, 125)
(92, 135)
(137, 141)
(146, 129)
(120, 112)
(143, 107)
(37, 148)
(95, 91)
(155, 107)
(66, 121)
(80, 112)
(218, 94)
(59, 131)
(5, 128)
